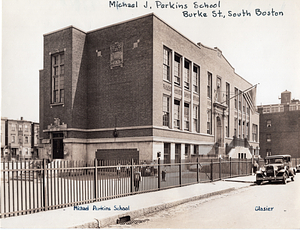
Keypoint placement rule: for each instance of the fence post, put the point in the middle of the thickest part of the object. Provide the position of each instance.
(211, 170)
(230, 166)
(180, 173)
(197, 170)
(158, 173)
(220, 168)
(45, 195)
(131, 176)
(239, 166)
(95, 179)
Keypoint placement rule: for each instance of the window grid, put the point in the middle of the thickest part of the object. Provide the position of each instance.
(167, 158)
(177, 114)
(177, 70)
(58, 71)
(166, 110)
(195, 118)
(186, 117)
(177, 153)
(187, 75)
(209, 78)
(236, 92)
(209, 121)
(254, 132)
(195, 79)
(166, 65)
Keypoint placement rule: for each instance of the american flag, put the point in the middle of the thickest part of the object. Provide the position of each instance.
(250, 97)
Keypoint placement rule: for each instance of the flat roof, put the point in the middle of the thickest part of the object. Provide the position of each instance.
(277, 156)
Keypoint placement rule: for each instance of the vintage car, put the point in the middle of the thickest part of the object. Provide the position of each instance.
(276, 168)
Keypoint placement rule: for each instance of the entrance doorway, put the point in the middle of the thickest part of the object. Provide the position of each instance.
(219, 132)
(58, 146)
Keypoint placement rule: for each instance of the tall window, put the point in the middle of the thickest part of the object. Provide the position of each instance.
(209, 77)
(167, 154)
(240, 127)
(195, 118)
(186, 75)
(227, 93)
(269, 123)
(13, 127)
(209, 121)
(177, 153)
(195, 79)
(186, 116)
(13, 139)
(20, 127)
(268, 137)
(58, 80)
(166, 65)
(235, 126)
(176, 114)
(269, 152)
(166, 110)
(196, 149)
(248, 110)
(218, 93)
(227, 126)
(236, 92)
(240, 100)
(177, 70)
(254, 132)
(186, 150)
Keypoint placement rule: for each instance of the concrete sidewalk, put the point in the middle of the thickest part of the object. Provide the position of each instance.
(107, 212)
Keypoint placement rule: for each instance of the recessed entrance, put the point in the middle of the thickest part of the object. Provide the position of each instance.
(58, 146)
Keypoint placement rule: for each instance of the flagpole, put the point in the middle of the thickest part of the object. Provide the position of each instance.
(240, 93)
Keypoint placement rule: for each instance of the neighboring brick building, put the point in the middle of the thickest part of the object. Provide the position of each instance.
(137, 88)
(17, 141)
(280, 127)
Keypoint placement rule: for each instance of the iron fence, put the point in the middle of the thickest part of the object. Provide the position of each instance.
(34, 186)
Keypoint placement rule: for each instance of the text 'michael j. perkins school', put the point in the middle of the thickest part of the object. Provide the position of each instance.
(139, 87)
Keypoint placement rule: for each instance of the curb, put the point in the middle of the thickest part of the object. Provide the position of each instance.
(143, 211)
(240, 181)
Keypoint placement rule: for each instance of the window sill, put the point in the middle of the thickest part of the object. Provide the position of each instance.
(57, 104)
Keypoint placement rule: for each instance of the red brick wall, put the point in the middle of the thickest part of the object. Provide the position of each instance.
(72, 113)
(285, 133)
(120, 96)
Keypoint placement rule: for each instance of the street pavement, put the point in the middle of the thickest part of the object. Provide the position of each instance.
(101, 214)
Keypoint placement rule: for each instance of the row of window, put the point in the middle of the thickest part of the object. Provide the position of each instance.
(187, 152)
(238, 123)
(219, 95)
(20, 127)
(187, 66)
(20, 139)
(177, 112)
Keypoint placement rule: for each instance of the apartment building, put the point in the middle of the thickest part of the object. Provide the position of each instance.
(280, 127)
(16, 139)
(138, 88)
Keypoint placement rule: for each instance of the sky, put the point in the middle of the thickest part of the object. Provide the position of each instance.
(264, 50)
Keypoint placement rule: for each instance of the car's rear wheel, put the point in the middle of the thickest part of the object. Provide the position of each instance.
(292, 178)
(284, 178)
(258, 182)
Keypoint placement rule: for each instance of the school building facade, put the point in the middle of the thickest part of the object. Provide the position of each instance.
(139, 88)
